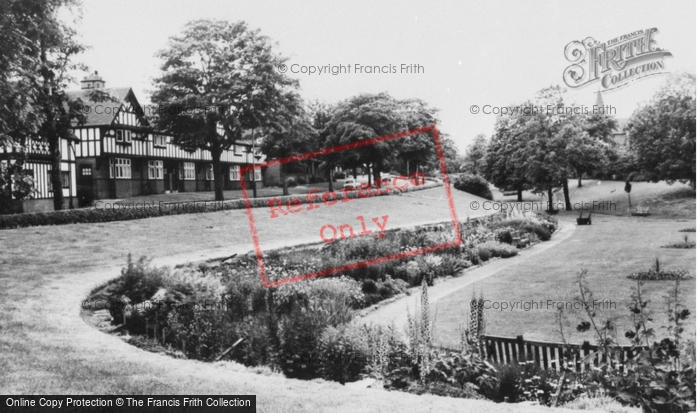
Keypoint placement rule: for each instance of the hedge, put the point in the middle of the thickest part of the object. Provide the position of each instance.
(145, 210)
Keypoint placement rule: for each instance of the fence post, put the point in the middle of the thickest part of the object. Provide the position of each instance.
(586, 351)
(520, 342)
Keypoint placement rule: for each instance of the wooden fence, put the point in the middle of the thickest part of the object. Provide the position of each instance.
(549, 355)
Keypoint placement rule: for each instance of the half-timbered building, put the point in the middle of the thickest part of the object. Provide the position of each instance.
(38, 166)
(120, 155)
(117, 154)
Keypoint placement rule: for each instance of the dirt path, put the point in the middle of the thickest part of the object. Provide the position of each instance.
(395, 312)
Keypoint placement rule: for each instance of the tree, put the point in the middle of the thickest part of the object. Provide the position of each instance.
(369, 116)
(217, 79)
(363, 117)
(453, 161)
(502, 162)
(293, 134)
(593, 151)
(38, 52)
(476, 155)
(662, 133)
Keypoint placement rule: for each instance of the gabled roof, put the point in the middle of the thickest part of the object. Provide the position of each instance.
(103, 113)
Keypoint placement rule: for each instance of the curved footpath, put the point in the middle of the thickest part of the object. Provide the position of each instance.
(395, 312)
(46, 347)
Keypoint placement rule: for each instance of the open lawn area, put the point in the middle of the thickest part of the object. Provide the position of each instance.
(45, 346)
(609, 197)
(610, 249)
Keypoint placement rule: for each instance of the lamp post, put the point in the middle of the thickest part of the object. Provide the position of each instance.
(255, 184)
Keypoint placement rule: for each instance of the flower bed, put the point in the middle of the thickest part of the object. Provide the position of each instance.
(202, 310)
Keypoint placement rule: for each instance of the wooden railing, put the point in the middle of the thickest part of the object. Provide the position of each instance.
(549, 355)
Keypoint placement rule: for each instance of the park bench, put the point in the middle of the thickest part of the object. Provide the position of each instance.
(583, 221)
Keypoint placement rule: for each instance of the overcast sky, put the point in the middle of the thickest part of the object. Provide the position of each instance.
(473, 53)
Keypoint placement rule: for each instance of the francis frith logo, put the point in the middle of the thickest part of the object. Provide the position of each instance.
(614, 63)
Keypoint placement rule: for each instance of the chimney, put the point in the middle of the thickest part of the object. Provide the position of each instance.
(93, 81)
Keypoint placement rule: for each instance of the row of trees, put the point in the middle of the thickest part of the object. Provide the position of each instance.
(542, 149)
(227, 69)
(232, 71)
(365, 116)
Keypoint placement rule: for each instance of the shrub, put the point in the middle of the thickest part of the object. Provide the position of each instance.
(681, 244)
(301, 180)
(474, 185)
(291, 182)
(343, 353)
(504, 235)
(658, 273)
(484, 254)
(339, 175)
(691, 229)
(540, 231)
(369, 287)
(392, 287)
(498, 249)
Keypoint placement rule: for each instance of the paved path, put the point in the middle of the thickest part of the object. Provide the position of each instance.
(395, 312)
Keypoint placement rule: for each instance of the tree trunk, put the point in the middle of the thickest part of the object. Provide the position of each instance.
(567, 200)
(330, 178)
(52, 137)
(369, 174)
(285, 188)
(550, 195)
(580, 176)
(218, 184)
(378, 172)
(354, 172)
(55, 152)
(520, 194)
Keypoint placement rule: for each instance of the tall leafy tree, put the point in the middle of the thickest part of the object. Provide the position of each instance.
(292, 134)
(364, 117)
(368, 116)
(38, 53)
(475, 157)
(218, 78)
(662, 132)
(503, 164)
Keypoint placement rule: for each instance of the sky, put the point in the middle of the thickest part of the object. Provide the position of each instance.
(492, 53)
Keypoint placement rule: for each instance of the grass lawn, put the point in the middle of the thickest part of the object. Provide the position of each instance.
(610, 249)
(45, 347)
(663, 200)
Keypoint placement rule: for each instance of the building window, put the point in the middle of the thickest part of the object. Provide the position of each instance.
(86, 171)
(187, 171)
(124, 136)
(159, 140)
(120, 168)
(155, 169)
(257, 174)
(234, 173)
(65, 179)
(210, 172)
(238, 150)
